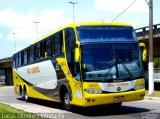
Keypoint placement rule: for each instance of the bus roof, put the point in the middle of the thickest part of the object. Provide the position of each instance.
(74, 25)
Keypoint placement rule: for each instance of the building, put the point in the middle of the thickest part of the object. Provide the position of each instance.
(6, 76)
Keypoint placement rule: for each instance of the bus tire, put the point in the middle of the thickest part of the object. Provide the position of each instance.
(26, 97)
(22, 95)
(21, 92)
(66, 101)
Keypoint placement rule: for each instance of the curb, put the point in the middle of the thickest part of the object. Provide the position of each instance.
(152, 98)
(5, 103)
(7, 87)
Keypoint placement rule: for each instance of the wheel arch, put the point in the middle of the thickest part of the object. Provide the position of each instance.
(64, 88)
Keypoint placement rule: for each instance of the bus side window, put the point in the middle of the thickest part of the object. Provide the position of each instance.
(25, 56)
(70, 41)
(28, 55)
(31, 54)
(53, 45)
(61, 42)
(37, 52)
(45, 49)
(22, 57)
(14, 60)
(49, 47)
(19, 59)
(42, 50)
(58, 43)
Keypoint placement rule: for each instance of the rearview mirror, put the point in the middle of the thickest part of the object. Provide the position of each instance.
(144, 51)
(77, 52)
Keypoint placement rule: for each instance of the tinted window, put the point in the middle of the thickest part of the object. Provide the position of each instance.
(48, 47)
(70, 45)
(19, 59)
(114, 61)
(105, 34)
(28, 55)
(37, 51)
(31, 53)
(58, 43)
(42, 49)
(14, 61)
(25, 56)
(22, 57)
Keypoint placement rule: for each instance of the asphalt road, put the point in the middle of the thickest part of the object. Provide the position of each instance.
(146, 109)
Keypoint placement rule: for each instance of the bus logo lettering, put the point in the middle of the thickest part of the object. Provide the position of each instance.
(119, 89)
(33, 70)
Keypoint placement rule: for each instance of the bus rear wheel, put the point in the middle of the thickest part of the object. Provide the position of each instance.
(22, 95)
(25, 95)
(26, 98)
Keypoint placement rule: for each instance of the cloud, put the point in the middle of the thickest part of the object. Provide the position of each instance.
(1, 36)
(22, 23)
(11, 18)
(117, 6)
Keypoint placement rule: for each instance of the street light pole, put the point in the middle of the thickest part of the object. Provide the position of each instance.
(73, 3)
(14, 36)
(36, 22)
(151, 65)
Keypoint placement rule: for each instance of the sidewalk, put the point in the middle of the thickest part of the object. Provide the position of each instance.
(152, 98)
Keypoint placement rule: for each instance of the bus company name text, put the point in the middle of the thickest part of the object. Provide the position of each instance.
(33, 70)
(117, 84)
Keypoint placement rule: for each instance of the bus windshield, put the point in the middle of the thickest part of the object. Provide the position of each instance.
(111, 62)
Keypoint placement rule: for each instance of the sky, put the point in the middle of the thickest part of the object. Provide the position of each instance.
(18, 30)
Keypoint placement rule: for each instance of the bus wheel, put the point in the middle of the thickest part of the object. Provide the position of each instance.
(66, 101)
(22, 95)
(21, 92)
(26, 98)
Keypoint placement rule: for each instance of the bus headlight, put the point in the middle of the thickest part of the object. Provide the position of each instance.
(93, 91)
(139, 87)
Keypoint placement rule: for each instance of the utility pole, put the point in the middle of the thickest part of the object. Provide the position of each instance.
(36, 22)
(151, 62)
(73, 3)
(14, 37)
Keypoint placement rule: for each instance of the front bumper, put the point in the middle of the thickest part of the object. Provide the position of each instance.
(101, 99)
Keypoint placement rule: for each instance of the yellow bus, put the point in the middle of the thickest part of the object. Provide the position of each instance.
(83, 64)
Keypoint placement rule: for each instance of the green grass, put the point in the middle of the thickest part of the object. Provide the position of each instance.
(1, 85)
(8, 112)
(156, 93)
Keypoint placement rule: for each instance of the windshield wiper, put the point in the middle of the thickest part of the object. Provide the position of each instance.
(109, 70)
(116, 62)
(126, 68)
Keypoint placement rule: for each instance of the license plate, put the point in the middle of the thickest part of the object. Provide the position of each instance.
(119, 98)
